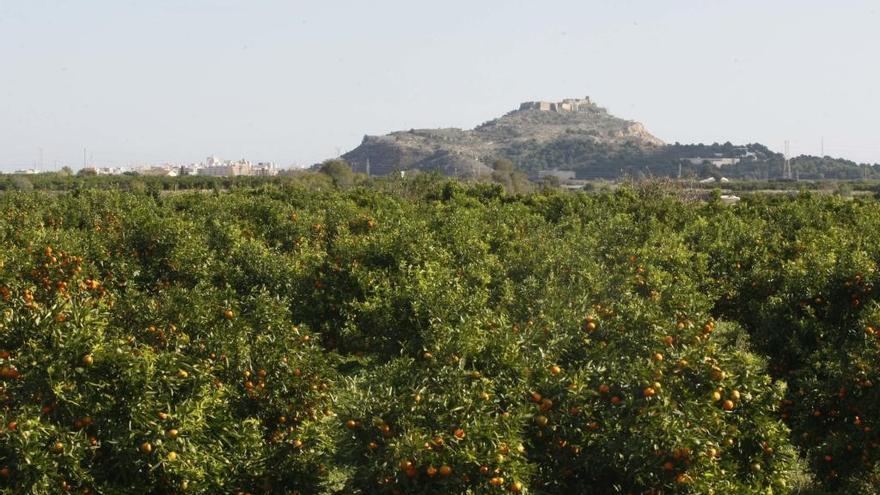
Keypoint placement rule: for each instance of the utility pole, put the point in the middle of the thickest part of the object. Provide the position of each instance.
(786, 168)
(368, 166)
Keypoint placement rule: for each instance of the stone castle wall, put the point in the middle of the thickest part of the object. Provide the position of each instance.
(565, 106)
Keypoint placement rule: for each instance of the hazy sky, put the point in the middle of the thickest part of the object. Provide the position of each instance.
(293, 81)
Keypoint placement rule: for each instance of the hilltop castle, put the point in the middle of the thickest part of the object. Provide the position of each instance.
(565, 106)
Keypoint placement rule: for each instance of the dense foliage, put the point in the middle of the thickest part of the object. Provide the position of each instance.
(433, 337)
(597, 160)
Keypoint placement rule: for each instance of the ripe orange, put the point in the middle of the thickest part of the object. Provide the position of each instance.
(445, 470)
(146, 447)
(649, 392)
(728, 405)
(603, 389)
(431, 471)
(351, 424)
(459, 433)
(515, 487)
(88, 360)
(228, 314)
(658, 357)
(172, 433)
(496, 481)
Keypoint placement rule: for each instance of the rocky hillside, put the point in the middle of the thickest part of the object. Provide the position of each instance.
(521, 135)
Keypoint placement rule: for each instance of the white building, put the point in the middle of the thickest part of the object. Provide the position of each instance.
(718, 162)
(216, 168)
(264, 169)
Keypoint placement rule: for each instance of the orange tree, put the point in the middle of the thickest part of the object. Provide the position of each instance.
(439, 339)
(129, 367)
(553, 347)
(801, 276)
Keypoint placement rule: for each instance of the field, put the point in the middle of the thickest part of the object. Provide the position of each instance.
(437, 338)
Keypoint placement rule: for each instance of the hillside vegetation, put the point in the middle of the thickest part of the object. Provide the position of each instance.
(437, 338)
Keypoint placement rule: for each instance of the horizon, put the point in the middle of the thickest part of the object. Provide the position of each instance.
(174, 82)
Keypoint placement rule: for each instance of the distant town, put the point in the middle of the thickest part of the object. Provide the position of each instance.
(211, 166)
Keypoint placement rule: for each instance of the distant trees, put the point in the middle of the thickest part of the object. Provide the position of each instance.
(22, 184)
(505, 174)
(339, 171)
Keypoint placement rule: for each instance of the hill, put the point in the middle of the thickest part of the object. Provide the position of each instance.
(580, 136)
(518, 135)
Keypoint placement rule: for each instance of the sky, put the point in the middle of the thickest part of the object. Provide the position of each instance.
(297, 82)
